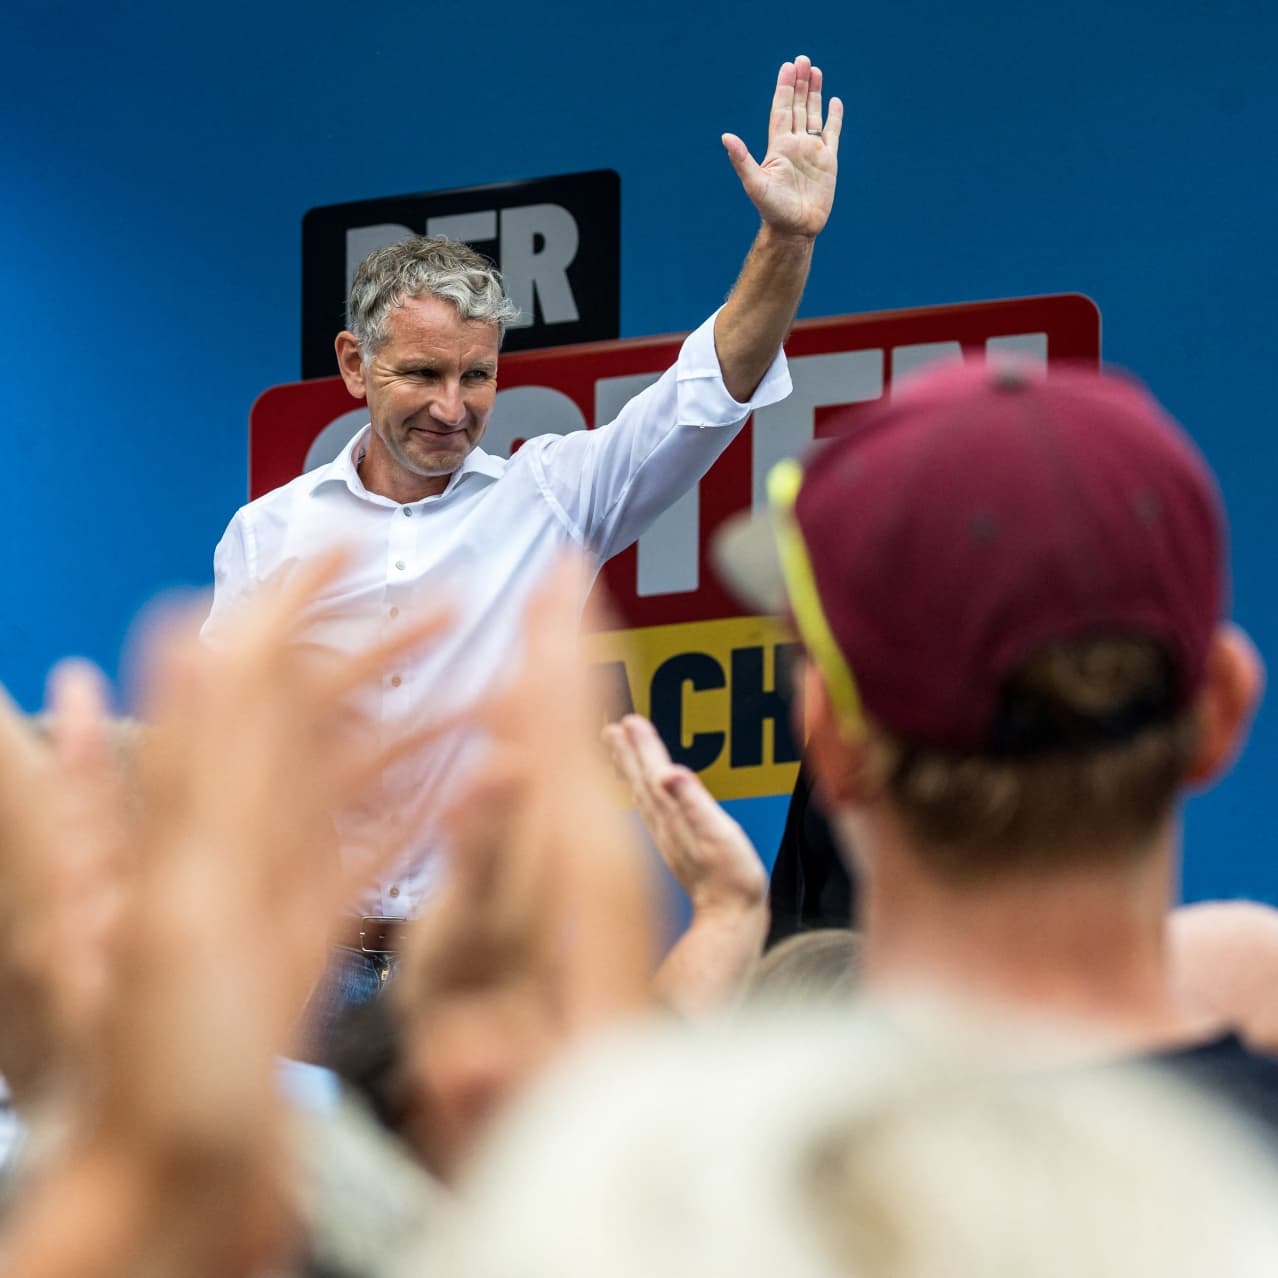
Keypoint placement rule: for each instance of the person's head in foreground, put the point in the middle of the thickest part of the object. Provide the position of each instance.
(901, 1155)
(1011, 589)
(814, 965)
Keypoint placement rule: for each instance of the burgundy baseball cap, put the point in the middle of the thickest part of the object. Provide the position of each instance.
(984, 512)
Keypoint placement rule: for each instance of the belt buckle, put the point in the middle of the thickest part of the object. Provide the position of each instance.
(376, 933)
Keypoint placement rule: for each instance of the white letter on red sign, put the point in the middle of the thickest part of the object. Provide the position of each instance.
(820, 381)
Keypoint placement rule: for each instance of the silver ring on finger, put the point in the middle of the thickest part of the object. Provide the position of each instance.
(814, 133)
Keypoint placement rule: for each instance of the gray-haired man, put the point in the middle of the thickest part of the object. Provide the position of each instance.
(430, 511)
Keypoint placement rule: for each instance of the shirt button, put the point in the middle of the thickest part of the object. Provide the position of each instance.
(408, 510)
(394, 612)
(399, 563)
(396, 681)
(394, 891)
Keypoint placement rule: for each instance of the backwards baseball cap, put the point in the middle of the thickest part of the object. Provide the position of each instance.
(986, 512)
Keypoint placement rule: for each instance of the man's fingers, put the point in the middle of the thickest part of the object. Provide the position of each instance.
(286, 597)
(833, 125)
(802, 79)
(645, 762)
(649, 800)
(78, 699)
(621, 753)
(551, 621)
(167, 658)
(814, 100)
(698, 807)
(781, 118)
(489, 806)
(653, 756)
(744, 163)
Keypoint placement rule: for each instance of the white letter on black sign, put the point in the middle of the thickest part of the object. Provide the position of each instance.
(527, 265)
(470, 228)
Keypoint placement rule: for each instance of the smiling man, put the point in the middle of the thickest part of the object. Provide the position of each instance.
(429, 514)
(427, 318)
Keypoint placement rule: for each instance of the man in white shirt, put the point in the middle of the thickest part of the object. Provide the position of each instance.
(431, 514)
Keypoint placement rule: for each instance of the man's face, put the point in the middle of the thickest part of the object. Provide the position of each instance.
(430, 388)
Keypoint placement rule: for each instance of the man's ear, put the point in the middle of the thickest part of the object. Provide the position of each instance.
(1232, 686)
(350, 363)
(837, 762)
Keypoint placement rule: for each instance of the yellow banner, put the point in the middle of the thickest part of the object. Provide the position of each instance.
(718, 693)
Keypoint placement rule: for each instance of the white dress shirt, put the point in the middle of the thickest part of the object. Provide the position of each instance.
(481, 544)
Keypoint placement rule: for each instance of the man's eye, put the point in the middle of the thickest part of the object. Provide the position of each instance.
(479, 375)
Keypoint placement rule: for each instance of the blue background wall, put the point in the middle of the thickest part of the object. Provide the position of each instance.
(156, 164)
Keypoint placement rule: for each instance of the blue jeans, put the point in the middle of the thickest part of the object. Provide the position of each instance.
(351, 978)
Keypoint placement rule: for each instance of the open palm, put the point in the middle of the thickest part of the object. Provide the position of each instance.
(793, 188)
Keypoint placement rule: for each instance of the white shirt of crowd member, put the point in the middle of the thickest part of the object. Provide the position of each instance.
(428, 513)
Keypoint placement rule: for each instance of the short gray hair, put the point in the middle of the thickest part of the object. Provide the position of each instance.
(424, 264)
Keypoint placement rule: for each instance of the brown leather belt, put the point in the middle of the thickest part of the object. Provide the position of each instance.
(373, 934)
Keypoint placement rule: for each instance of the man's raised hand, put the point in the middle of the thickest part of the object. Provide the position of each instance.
(793, 188)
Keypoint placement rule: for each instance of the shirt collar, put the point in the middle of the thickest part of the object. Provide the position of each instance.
(344, 468)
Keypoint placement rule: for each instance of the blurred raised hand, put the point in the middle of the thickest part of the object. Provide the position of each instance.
(176, 1155)
(545, 928)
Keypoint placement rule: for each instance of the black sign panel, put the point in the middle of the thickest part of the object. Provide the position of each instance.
(556, 240)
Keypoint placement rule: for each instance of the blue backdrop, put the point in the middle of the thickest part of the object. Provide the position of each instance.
(156, 163)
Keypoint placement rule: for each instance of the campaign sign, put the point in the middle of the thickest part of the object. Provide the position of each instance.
(685, 653)
(556, 240)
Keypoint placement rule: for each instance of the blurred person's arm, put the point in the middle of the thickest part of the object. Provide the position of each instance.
(176, 1164)
(543, 932)
(714, 862)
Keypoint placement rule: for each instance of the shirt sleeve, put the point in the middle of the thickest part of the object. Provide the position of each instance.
(234, 576)
(609, 484)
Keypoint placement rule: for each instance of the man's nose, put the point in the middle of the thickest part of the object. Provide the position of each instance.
(449, 408)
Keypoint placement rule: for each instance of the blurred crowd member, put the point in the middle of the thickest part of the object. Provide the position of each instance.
(679, 1150)
(430, 511)
(361, 1198)
(544, 930)
(1010, 587)
(476, 1016)
(893, 1155)
(714, 862)
(174, 1157)
(1225, 957)
(821, 963)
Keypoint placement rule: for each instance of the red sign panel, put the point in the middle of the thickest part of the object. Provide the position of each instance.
(666, 577)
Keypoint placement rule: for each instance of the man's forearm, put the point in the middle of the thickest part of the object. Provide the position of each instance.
(711, 964)
(756, 318)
